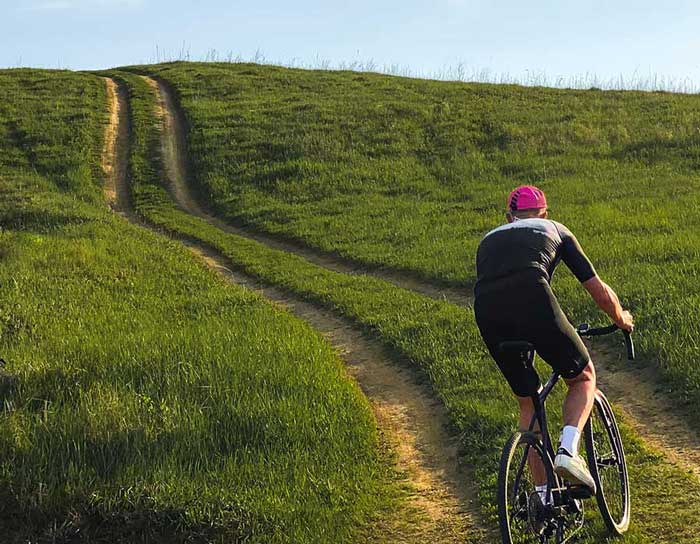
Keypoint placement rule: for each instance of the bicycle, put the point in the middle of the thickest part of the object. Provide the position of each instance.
(523, 516)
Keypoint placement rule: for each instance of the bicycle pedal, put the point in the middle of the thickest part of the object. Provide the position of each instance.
(577, 506)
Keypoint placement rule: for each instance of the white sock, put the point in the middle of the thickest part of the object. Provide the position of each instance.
(570, 436)
(542, 492)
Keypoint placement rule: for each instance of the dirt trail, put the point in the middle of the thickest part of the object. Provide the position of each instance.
(114, 158)
(175, 154)
(413, 424)
(441, 506)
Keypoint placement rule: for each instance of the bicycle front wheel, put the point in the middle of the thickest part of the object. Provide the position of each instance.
(522, 517)
(606, 461)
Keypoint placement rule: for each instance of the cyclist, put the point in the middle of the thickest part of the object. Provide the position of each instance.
(514, 301)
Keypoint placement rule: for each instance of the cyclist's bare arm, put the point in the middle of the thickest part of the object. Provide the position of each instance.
(607, 300)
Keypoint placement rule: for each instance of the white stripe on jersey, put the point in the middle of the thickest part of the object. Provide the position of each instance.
(547, 227)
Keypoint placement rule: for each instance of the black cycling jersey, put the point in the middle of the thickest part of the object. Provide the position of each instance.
(527, 244)
(514, 301)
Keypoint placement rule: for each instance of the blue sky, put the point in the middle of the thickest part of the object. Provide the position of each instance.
(557, 37)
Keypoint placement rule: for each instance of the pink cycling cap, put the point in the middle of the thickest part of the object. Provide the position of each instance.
(526, 197)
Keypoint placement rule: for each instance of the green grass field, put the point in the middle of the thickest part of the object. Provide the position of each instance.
(153, 402)
(409, 174)
(441, 343)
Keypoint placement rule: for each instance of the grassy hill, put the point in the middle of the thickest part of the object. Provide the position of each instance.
(436, 338)
(148, 400)
(153, 401)
(410, 174)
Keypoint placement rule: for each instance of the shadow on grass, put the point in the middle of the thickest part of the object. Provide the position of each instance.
(39, 220)
(652, 151)
(102, 507)
(93, 523)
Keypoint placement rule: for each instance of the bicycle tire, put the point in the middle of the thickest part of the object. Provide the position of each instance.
(606, 461)
(513, 504)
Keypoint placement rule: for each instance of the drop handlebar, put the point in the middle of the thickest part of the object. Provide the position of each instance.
(586, 331)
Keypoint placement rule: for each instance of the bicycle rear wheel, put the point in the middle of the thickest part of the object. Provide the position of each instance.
(606, 461)
(522, 517)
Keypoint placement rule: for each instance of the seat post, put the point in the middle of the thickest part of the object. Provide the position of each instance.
(538, 398)
(540, 417)
(528, 359)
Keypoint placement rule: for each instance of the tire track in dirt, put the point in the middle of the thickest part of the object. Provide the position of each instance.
(175, 149)
(413, 424)
(114, 158)
(441, 507)
(650, 412)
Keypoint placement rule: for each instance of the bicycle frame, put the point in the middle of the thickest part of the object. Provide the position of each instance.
(540, 419)
(564, 515)
(540, 416)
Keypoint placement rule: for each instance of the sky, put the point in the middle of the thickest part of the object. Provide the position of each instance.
(516, 38)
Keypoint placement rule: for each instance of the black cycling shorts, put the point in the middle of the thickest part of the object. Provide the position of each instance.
(523, 307)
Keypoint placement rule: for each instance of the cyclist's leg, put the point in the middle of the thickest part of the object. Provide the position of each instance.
(565, 352)
(579, 398)
(559, 345)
